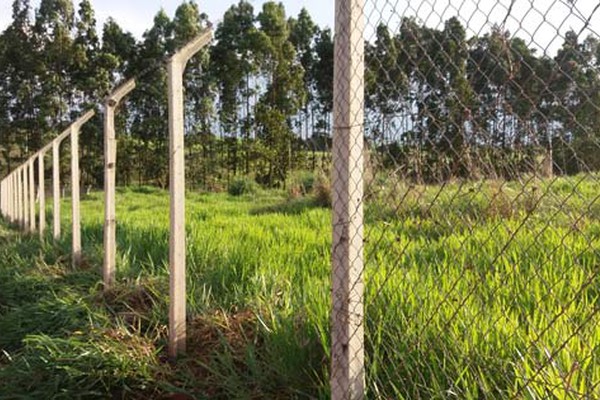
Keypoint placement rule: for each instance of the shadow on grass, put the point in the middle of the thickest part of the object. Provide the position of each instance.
(288, 207)
(55, 340)
(39, 291)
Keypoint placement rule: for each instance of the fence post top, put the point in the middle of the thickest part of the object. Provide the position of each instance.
(186, 52)
(113, 99)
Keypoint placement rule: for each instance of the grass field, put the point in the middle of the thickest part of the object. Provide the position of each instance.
(475, 290)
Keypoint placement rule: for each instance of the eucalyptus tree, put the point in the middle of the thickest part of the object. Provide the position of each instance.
(577, 99)
(234, 66)
(20, 87)
(322, 73)
(54, 24)
(303, 33)
(284, 95)
(149, 106)
(199, 92)
(457, 98)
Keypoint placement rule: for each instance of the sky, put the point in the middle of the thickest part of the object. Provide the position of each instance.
(136, 15)
(541, 23)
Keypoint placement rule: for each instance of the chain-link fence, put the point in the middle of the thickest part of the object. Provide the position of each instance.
(479, 167)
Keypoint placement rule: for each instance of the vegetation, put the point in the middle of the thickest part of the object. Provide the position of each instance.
(440, 105)
(474, 290)
(481, 277)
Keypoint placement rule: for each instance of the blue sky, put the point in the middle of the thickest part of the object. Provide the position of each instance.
(536, 21)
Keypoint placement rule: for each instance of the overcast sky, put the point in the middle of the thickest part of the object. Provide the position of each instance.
(536, 21)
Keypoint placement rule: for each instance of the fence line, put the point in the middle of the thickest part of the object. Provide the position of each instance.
(19, 189)
(22, 194)
(42, 195)
(456, 166)
(481, 246)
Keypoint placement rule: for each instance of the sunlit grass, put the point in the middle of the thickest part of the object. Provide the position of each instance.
(473, 290)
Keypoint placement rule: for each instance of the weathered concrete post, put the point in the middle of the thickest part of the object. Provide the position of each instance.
(55, 189)
(26, 185)
(110, 161)
(347, 354)
(16, 199)
(20, 194)
(31, 210)
(177, 288)
(13, 199)
(3, 197)
(42, 192)
(75, 188)
(3, 190)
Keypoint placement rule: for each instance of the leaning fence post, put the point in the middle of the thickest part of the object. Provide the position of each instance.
(110, 161)
(347, 353)
(75, 188)
(31, 210)
(42, 192)
(177, 303)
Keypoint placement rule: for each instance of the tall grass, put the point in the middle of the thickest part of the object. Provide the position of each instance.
(474, 290)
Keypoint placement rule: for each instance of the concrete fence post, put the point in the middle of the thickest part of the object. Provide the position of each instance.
(75, 195)
(26, 186)
(75, 188)
(347, 353)
(21, 199)
(110, 165)
(3, 190)
(42, 194)
(32, 224)
(56, 189)
(9, 196)
(13, 199)
(177, 274)
(3, 198)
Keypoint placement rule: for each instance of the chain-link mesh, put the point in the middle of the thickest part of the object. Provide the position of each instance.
(481, 127)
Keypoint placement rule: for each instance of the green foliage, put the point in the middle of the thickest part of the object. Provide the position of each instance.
(301, 183)
(322, 190)
(456, 287)
(261, 96)
(242, 185)
(52, 367)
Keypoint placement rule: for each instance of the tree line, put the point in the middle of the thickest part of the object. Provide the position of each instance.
(259, 100)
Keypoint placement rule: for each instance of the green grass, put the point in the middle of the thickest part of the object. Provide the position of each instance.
(473, 290)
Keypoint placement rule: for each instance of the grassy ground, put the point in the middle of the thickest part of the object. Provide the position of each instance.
(478, 290)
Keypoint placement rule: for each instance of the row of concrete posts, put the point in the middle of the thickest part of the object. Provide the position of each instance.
(347, 353)
(18, 189)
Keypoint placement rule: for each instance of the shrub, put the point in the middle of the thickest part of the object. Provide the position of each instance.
(301, 184)
(242, 185)
(322, 191)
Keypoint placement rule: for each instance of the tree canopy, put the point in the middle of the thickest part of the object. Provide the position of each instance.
(438, 104)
